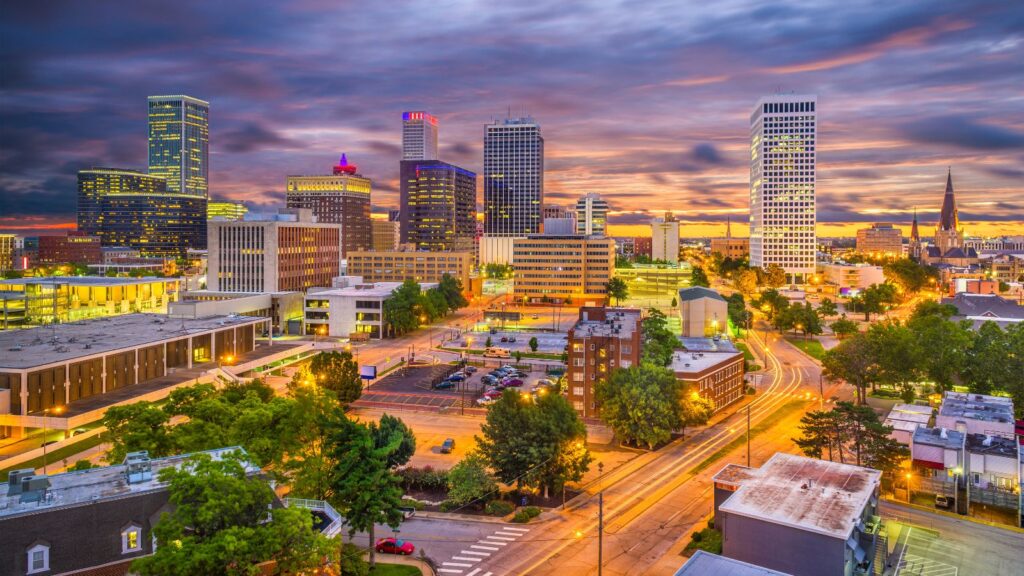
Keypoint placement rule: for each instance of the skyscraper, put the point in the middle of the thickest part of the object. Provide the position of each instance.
(783, 140)
(591, 215)
(665, 239)
(340, 198)
(438, 205)
(513, 177)
(179, 143)
(419, 136)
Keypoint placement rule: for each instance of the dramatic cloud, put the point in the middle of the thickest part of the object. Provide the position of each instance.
(647, 103)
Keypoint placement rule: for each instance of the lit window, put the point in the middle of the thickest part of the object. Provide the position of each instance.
(38, 559)
(131, 539)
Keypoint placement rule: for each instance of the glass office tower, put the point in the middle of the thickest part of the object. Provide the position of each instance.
(179, 143)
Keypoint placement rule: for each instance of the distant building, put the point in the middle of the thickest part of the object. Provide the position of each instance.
(289, 251)
(656, 280)
(513, 177)
(905, 419)
(665, 239)
(981, 308)
(559, 226)
(708, 564)
(799, 515)
(438, 205)
(937, 461)
(70, 248)
(419, 136)
(398, 265)
(179, 143)
(119, 504)
(852, 277)
(643, 246)
(880, 240)
(8, 244)
(602, 340)
(557, 211)
(497, 249)
(354, 307)
(386, 234)
(783, 141)
(340, 198)
(561, 267)
(994, 246)
(284, 309)
(729, 247)
(711, 368)
(976, 414)
(114, 253)
(948, 242)
(226, 210)
(592, 215)
(1006, 267)
(129, 208)
(703, 312)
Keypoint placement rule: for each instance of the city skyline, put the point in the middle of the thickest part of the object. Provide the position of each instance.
(629, 110)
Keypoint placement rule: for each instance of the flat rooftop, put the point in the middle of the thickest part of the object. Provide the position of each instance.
(909, 413)
(86, 280)
(31, 347)
(734, 474)
(991, 445)
(107, 482)
(942, 437)
(707, 344)
(707, 564)
(620, 323)
(377, 290)
(977, 407)
(692, 362)
(807, 494)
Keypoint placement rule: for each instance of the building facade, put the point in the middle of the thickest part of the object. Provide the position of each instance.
(226, 210)
(8, 247)
(712, 369)
(561, 267)
(592, 215)
(341, 198)
(354, 307)
(438, 205)
(729, 247)
(703, 312)
(883, 240)
(387, 235)
(419, 136)
(513, 177)
(72, 247)
(290, 251)
(97, 183)
(852, 277)
(399, 265)
(602, 340)
(179, 143)
(665, 239)
(783, 141)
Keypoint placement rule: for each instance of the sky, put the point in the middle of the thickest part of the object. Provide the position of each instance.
(646, 103)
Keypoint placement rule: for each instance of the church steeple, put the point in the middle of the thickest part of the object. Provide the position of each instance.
(914, 234)
(728, 227)
(949, 219)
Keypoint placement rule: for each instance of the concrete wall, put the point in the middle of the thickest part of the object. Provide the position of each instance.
(782, 548)
(698, 315)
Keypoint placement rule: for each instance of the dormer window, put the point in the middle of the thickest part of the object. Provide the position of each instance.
(38, 559)
(131, 539)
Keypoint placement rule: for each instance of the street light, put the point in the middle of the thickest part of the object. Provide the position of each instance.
(46, 411)
(908, 475)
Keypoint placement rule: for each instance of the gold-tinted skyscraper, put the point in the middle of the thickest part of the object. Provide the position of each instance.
(179, 143)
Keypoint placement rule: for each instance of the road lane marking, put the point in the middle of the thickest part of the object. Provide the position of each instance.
(465, 558)
(511, 529)
(449, 571)
(475, 553)
(488, 573)
(484, 548)
(494, 543)
(502, 538)
(475, 570)
(512, 534)
(456, 564)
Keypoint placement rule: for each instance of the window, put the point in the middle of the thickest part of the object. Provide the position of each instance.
(131, 539)
(38, 559)
(577, 376)
(577, 390)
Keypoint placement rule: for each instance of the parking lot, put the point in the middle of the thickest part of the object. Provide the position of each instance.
(926, 554)
(548, 342)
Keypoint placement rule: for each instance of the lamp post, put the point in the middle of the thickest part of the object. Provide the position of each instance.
(908, 475)
(956, 488)
(46, 412)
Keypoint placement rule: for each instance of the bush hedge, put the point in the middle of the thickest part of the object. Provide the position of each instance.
(526, 514)
(499, 508)
(426, 479)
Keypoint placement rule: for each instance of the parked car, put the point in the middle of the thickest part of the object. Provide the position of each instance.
(407, 511)
(504, 338)
(545, 382)
(448, 446)
(395, 546)
(496, 352)
(457, 377)
(489, 380)
(513, 382)
(444, 385)
(470, 369)
(79, 431)
(943, 502)
(485, 401)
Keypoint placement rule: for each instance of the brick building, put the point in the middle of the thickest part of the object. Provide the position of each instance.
(713, 369)
(73, 247)
(602, 340)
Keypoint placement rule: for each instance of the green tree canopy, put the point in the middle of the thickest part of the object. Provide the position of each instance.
(641, 404)
(617, 289)
(658, 340)
(773, 276)
(469, 480)
(853, 361)
(827, 308)
(699, 278)
(843, 327)
(338, 372)
(392, 432)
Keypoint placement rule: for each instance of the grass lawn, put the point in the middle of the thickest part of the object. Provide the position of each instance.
(810, 346)
(742, 347)
(56, 456)
(708, 539)
(395, 570)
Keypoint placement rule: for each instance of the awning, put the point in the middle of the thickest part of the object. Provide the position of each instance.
(929, 464)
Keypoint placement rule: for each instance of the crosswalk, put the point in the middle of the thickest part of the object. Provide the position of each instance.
(466, 562)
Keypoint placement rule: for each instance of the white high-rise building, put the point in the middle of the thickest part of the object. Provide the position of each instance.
(591, 215)
(665, 239)
(783, 140)
(419, 136)
(513, 177)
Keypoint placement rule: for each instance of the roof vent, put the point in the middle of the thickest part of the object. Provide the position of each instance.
(942, 433)
(138, 467)
(14, 480)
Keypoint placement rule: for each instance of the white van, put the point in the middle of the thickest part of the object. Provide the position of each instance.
(496, 352)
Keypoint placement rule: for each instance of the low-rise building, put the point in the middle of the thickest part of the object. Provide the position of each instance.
(734, 248)
(852, 278)
(94, 521)
(711, 368)
(703, 312)
(8, 248)
(905, 418)
(993, 471)
(386, 235)
(880, 240)
(981, 308)
(72, 247)
(704, 563)
(289, 251)
(285, 309)
(352, 307)
(976, 414)
(602, 340)
(799, 515)
(656, 280)
(549, 267)
(400, 265)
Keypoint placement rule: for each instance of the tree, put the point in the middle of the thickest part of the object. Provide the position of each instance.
(534, 344)
(518, 356)
(910, 276)
(874, 299)
(218, 524)
(307, 466)
(896, 353)
(81, 465)
(402, 310)
(138, 426)
(339, 373)
(852, 432)
(737, 310)
(843, 327)
(469, 480)
(827, 308)
(852, 360)
(773, 276)
(945, 346)
(746, 281)
(499, 271)
(617, 289)
(488, 342)
(365, 491)
(641, 404)
(658, 341)
(771, 302)
(392, 432)
(699, 278)
(452, 289)
(987, 369)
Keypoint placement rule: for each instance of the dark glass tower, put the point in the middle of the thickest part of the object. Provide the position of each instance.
(438, 205)
(513, 177)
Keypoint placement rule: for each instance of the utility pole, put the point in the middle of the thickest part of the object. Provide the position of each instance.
(600, 517)
(821, 392)
(748, 435)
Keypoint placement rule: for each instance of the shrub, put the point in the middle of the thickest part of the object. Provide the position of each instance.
(526, 514)
(697, 536)
(412, 503)
(499, 508)
(426, 479)
(448, 506)
(751, 390)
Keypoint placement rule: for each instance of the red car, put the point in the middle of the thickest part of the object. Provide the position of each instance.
(393, 546)
(513, 382)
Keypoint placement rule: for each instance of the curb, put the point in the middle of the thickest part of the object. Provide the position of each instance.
(953, 515)
(800, 350)
(461, 517)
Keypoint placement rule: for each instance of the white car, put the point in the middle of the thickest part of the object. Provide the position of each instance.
(485, 401)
